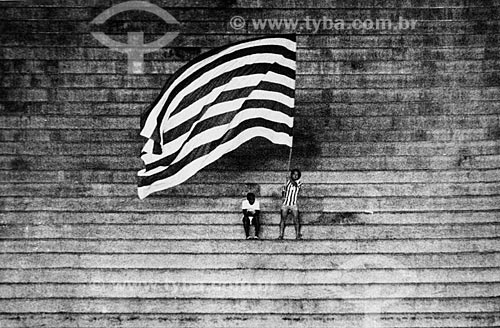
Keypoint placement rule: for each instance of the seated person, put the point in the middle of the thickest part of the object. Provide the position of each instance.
(251, 215)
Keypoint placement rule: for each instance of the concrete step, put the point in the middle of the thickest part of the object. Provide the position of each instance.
(225, 246)
(268, 204)
(261, 190)
(307, 218)
(217, 176)
(415, 43)
(216, 30)
(238, 320)
(395, 81)
(225, 232)
(132, 134)
(306, 124)
(196, 13)
(230, 306)
(279, 3)
(57, 258)
(302, 110)
(382, 95)
(248, 291)
(381, 54)
(389, 50)
(323, 149)
(353, 274)
(437, 66)
(106, 62)
(305, 79)
(234, 162)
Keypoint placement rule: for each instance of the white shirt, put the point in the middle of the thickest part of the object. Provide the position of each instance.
(251, 208)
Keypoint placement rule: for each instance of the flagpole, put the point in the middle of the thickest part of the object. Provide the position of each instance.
(289, 162)
(290, 156)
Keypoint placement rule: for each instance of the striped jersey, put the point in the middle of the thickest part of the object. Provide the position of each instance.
(291, 192)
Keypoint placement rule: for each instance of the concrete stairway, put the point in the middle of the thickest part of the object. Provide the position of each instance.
(401, 124)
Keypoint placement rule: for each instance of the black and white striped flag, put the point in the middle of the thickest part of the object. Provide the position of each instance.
(214, 104)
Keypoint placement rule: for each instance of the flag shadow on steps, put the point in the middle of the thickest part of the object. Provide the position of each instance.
(259, 154)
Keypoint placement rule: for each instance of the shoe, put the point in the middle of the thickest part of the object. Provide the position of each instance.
(256, 237)
(280, 237)
(248, 237)
(298, 237)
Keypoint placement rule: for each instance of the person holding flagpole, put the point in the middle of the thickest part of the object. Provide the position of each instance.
(290, 193)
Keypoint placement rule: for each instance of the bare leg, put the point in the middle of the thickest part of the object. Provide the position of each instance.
(284, 213)
(246, 225)
(256, 224)
(296, 221)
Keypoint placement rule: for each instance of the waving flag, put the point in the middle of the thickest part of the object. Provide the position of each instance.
(214, 104)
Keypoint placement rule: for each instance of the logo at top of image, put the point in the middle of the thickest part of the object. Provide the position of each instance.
(135, 48)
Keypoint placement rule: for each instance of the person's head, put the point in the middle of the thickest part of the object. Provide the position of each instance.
(251, 198)
(295, 174)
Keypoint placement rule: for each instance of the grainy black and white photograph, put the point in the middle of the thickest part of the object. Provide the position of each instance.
(249, 163)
